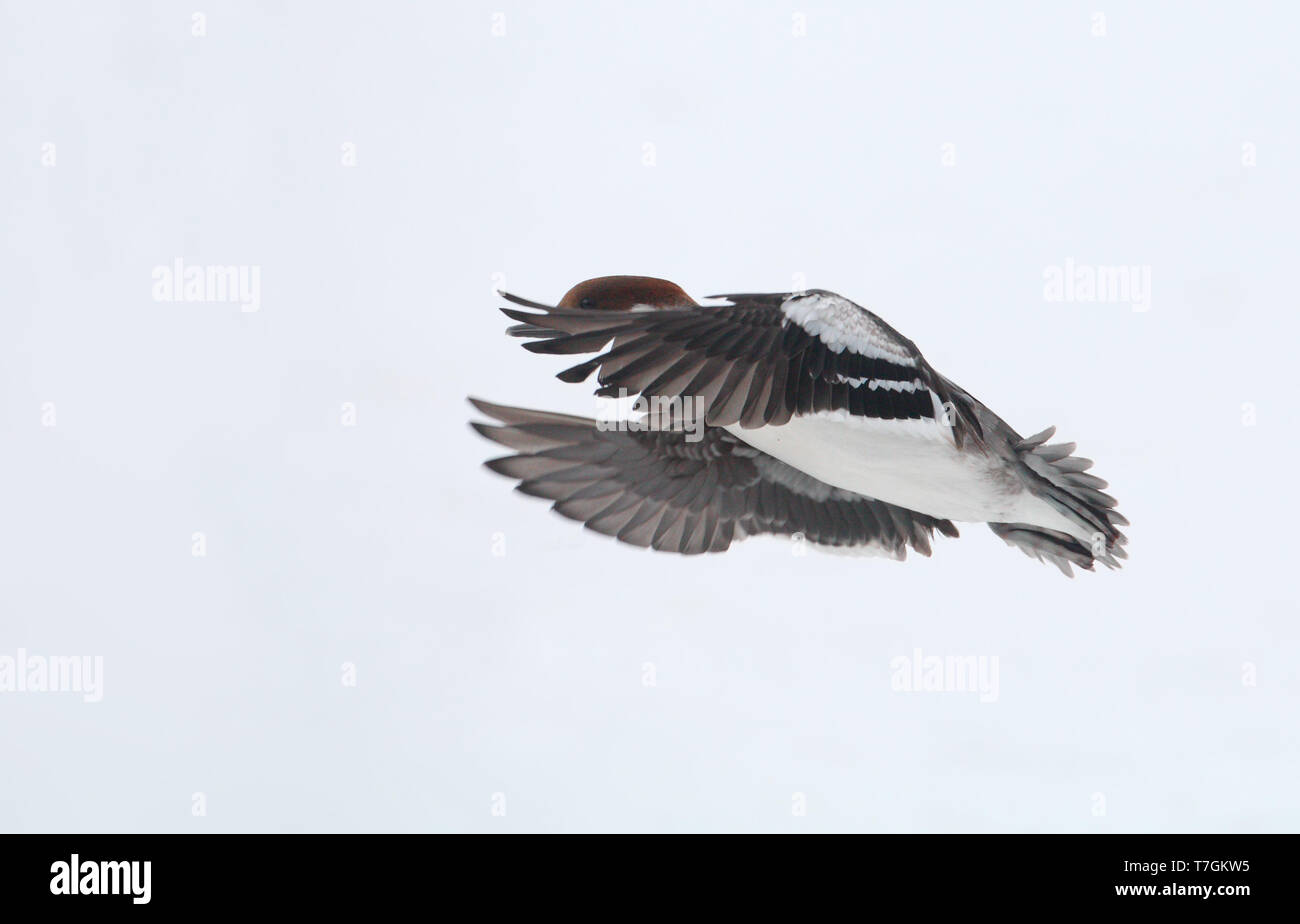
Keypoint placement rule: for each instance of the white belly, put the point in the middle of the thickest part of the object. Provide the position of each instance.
(913, 464)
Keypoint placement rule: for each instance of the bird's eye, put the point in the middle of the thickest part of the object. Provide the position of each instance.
(587, 303)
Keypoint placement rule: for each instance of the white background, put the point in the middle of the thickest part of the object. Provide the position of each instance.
(525, 155)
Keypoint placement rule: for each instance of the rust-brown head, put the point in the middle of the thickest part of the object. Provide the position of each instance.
(622, 293)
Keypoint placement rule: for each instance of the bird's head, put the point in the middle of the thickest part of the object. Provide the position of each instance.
(622, 293)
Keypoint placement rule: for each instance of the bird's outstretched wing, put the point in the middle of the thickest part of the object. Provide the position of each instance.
(657, 488)
(754, 360)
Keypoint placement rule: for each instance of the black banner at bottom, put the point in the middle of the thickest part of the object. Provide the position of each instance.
(88, 873)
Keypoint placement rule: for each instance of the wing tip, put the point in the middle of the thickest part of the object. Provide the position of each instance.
(520, 300)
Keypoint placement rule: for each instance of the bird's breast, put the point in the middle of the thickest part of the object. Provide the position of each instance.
(911, 463)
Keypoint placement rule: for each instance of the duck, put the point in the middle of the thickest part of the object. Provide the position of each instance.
(798, 414)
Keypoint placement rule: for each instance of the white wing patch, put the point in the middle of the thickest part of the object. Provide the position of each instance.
(873, 384)
(889, 385)
(841, 325)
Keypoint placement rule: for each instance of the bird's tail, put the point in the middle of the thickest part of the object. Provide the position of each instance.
(1063, 482)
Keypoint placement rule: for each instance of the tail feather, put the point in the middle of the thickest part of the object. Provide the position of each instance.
(1060, 549)
(1062, 480)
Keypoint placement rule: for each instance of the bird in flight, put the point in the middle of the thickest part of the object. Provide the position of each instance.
(796, 414)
